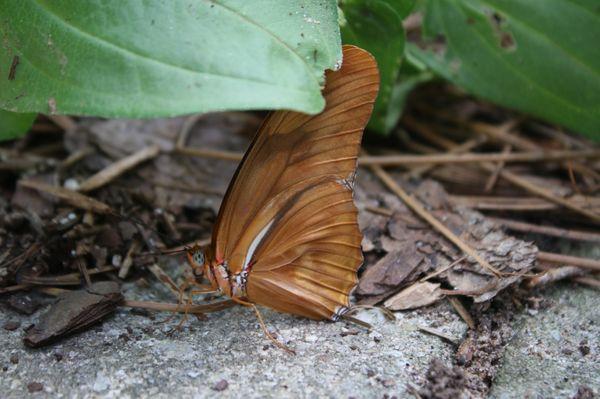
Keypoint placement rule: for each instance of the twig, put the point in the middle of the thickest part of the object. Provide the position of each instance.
(462, 311)
(584, 263)
(65, 122)
(414, 204)
(128, 261)
(75, 157)
(513, 203)
(589, 281)
(201, 243)
(462, 148)
(165, 279)
(553, 275)
(174, 185)
(14, 288)
(65, 279)
(83, 270)
(498, 134)
(173, 307)
(542, 192)
(438, 333)
(72, 198)
(171, 228)
(489, 185)
(442, 270)
(116, 169)
(185, 130)
(379, 211)
(451, 158)
(217, 154)
(514, 178)
(427, 133)
(547, 230)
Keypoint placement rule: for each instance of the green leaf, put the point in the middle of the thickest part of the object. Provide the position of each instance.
(538, 56)
(402, 7)
(13, 125)
(376, 26)
(118, 58)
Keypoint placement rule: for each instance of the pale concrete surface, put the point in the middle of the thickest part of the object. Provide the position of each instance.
(130, 355)
(333, 359)
(548, 356)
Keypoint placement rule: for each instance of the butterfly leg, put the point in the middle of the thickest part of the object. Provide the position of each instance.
(264, 326)
(203, 289)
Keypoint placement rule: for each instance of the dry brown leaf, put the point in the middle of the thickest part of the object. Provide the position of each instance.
(415, 296)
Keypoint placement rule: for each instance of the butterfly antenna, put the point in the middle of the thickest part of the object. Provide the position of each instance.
(357, 321)
(140, 222)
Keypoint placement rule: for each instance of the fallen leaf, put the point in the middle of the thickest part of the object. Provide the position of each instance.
(415, 296)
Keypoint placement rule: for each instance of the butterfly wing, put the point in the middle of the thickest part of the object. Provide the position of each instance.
(288, 215)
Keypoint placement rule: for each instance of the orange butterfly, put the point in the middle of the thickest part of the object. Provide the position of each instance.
(286, 236)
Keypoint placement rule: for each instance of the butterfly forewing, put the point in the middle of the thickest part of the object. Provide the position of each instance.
(288, 216)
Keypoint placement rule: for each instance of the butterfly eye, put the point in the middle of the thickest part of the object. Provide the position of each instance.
(198, 257)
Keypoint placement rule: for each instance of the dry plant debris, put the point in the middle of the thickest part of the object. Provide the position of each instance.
(414, 250)
(100, 199)
(74, 311)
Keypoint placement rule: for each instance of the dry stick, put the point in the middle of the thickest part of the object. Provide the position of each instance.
(584, 263)
(489, 185)
(173, 307)
(217, 154)
(454, 156)
(379, 211)
(542, 192)
(413, 145)
(116, 169)
(498, 134)
(185, 130)
(416, 207)
(513, 203)
(83, 270)
(553, 275)
(174, 185)
(462, 311)
(464, 147)
(14, 288)
(75, 157)
(514, 178)
(589, 281)
(442, 270)
(72, 198)
(427, 133)
(200, 243)
(66, 279)
(63, 121)
(128, 261)
(165, 279)
(438, 333)
(546, 230)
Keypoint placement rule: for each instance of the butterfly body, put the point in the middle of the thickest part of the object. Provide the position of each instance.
(287, 236)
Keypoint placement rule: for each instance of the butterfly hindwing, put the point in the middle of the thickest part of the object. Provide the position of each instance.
(288, 216)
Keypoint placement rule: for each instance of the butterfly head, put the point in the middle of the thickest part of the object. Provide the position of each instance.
(196, 259)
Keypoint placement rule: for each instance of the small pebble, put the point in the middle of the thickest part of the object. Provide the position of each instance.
(14, 358)
(220, 386)
(116, 260)
(34, 387)
(11, 325)
(584, 348)
(71, 184)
